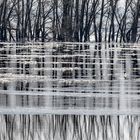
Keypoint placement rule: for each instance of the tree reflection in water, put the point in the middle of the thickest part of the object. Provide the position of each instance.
(94, 83)
(69, 127)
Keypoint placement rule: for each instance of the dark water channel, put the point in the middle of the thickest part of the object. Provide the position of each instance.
(70, 91)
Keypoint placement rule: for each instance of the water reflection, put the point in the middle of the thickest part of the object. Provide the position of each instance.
(70, 79)
(69, 127)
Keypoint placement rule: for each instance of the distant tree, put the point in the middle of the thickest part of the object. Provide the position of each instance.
(135, 22)
(113, 6)
(3, 28)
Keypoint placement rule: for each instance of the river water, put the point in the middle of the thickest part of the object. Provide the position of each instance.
(70, 91)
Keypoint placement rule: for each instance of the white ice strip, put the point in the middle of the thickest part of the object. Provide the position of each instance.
(114, 94)
(78, 111)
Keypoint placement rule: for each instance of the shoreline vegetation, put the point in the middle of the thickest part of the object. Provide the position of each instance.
(70, 21)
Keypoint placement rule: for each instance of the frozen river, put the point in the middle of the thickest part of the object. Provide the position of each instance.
(70, 91)
(66, 78)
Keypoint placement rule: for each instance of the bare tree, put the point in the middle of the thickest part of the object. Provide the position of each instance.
(136, 16)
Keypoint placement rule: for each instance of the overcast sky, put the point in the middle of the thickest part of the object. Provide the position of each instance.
(122, 2)
(1, 1)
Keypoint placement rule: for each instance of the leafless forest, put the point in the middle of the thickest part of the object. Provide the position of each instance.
(70, 20)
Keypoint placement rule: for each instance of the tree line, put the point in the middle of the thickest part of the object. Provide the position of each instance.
(70, 20)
